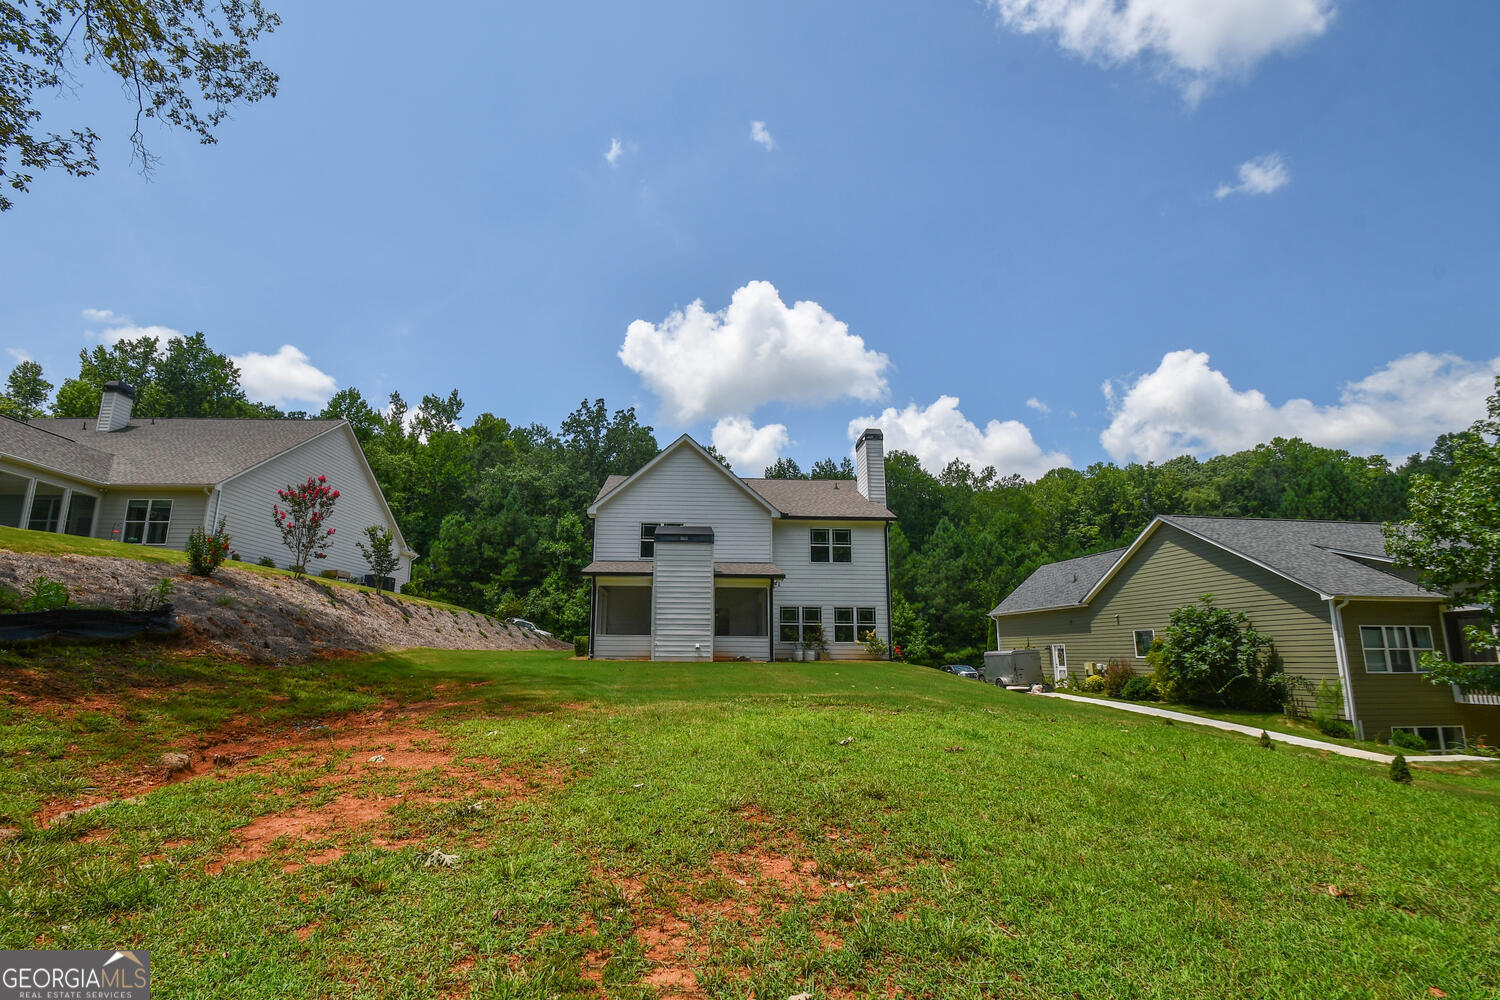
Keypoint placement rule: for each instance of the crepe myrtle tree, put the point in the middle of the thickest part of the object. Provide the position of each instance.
(303, 520)
(1452, 540)
(380, 554)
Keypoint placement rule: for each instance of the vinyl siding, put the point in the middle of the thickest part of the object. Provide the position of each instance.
(858, 583)
(621, 647)
(751, 647)
(1171, 570)
(245, 504)
(189, 509)
(682, 602)
(1384, 700)
(684, 489)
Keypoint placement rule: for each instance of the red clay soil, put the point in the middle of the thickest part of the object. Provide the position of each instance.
(271, 618)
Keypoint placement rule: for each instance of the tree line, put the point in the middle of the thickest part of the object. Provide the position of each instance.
(496, 510)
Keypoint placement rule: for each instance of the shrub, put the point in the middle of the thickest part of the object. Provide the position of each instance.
(581, 646)
(1408, 741)
(1265, 741)
(153, 599)
(267, 562)
(1330, 726)
(1093, 683)
(1400, 770)
(43, 594)
(1212, 656)
(303, 524)
(380, 555)
(207, 551)
(875, 647)
(1116, 674)
(1138, 689)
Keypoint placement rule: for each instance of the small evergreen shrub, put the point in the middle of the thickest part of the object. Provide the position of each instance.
(206, 551)
(581, 646)
(1138, 689)
(1265, 741)
(1400, 770)
(1330, 726)
(1408, 741)
(267, 562)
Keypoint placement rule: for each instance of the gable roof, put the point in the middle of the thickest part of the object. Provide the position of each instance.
(1058, 585)
(622, 483)
(1330, 558)
(169, 452)
(833, 499)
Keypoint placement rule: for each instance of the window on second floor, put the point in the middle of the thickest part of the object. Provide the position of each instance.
(832, 545)
(648, 537)
(1394, 649)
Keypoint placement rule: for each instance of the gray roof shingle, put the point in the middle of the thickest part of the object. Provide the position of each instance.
(179, 452)
(1339, 558)
(834, 499)
(1059, 584)
(38, 446)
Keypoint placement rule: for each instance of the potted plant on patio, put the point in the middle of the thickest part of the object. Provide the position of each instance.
(817, 645)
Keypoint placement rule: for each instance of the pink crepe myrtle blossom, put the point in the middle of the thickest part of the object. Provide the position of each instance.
(301, 522)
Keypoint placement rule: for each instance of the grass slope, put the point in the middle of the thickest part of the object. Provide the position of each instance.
(727, 830)
(51, 544)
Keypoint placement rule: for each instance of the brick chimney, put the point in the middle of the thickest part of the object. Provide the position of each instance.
(869, 464)
(114, 406)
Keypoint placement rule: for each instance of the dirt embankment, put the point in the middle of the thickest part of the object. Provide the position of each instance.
(271, 618)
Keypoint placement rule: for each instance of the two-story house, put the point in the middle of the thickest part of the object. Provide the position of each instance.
(691, 562)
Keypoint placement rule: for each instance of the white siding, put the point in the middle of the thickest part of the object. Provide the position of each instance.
(751, 647)
(188, 512)
(682, 595)
(684, 489)
(859, 583)
(245, 504)
(621, 647)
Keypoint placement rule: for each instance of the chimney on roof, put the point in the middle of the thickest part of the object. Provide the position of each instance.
(869, 464)
(114, 406)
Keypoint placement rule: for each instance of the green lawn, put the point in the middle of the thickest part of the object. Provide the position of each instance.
(720, 830)
(52, 544)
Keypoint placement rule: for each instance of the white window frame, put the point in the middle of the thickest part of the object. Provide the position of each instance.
(1135, 638)
(1443, 745)
(831, 546)
(803, 621)
(145, 538)
(1411, 649)
(651, 539)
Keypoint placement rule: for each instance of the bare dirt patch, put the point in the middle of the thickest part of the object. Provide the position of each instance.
(272, 618)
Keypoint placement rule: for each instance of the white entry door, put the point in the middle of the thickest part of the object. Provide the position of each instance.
(1059, 664)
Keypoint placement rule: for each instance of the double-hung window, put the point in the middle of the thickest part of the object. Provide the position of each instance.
(832, 545)
(1394, 649)
(146, 521)
(852, 624)
(1144, 637)
(648, 537)
(801, 624)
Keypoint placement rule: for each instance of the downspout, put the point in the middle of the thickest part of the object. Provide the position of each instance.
(593, 610)
(770, 635)
(1341, 656)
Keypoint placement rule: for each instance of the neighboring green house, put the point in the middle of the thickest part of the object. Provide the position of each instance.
(1324, 591)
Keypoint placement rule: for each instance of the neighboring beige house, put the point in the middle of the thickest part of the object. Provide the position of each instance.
(691, 562)
(151, 482)
(1324, 591)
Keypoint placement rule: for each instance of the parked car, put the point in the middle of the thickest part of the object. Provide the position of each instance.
(962, 670)
(528, 626)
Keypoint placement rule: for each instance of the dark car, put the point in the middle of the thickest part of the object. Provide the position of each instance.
(962, 670)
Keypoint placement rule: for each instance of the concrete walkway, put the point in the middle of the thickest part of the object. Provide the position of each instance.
(1235, 727)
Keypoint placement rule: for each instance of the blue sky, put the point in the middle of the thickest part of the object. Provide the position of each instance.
(1169, 231)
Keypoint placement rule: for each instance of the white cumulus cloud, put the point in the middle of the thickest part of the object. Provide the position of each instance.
(940, 432)
(1261, 175)
(1038, 405)
(284, 377)
(1186, 407)
(117, 328)
(749, 448)
(759, 133)
(706, 365)
(615, 151)
(19, 354)
(1194, 43)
